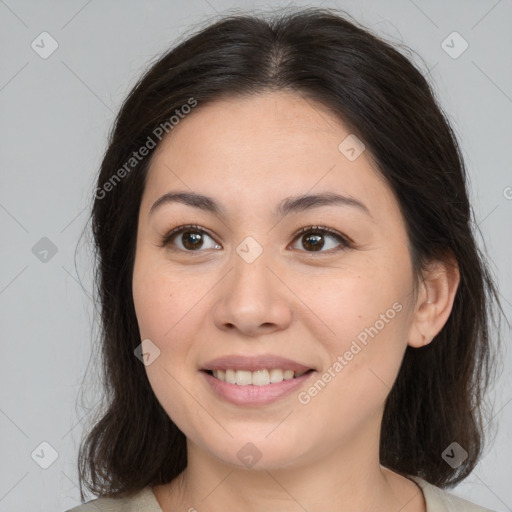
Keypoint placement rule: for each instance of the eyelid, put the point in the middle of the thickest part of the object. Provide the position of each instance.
(177, 230)
(344, 240)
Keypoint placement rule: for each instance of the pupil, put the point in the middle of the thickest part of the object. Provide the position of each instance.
(192, 240)
(315, 242)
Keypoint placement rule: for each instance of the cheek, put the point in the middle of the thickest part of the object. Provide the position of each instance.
(367, 316)
(161, 298)
(159, 306)
(170, 313)
(360, 298)
(148, 293)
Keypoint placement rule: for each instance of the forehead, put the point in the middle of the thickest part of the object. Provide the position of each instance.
(257, 149)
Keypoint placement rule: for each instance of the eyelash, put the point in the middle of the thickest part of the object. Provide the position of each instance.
(344, 241)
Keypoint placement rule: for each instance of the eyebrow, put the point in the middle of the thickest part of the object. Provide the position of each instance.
(287, 206)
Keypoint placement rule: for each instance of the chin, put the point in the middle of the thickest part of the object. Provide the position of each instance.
(256, 452)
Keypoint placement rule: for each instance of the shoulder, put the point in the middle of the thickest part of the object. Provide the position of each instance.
(142, 501)
(440, 500)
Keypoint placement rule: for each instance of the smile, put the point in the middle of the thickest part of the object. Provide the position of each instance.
(261, 377)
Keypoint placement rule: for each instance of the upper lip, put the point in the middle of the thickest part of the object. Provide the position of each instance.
(253, 363)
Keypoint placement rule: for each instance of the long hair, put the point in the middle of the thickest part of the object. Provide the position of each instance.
(386, 102)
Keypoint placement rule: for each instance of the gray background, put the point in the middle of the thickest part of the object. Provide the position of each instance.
(55, 115)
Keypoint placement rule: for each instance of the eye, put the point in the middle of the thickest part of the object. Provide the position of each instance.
(192, 238)
(321, 239)
(189, 238)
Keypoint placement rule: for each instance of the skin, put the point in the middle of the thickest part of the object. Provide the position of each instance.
(249, 154)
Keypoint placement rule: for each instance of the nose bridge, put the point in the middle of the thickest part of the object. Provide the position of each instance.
(251, 275)
(251, 297)
(250, 250)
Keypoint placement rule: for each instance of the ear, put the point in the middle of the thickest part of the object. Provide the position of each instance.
(434, 303)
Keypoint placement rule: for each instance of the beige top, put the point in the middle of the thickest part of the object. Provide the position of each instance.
(437, 500)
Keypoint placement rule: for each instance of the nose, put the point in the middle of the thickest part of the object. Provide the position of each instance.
(252, 299)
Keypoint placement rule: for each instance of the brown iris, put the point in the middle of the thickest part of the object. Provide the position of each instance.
(192, 239)
(313, 242)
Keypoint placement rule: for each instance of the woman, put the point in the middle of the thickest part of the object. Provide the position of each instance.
(294, 309)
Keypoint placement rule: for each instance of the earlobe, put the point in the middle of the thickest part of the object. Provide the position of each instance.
(434, 302)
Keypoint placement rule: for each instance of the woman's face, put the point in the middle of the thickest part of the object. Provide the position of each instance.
(245, 293)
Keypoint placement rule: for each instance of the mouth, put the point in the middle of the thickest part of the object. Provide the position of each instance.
(255, 380)
(262, 377)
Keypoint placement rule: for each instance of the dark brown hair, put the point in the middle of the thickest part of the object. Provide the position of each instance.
(386, 101)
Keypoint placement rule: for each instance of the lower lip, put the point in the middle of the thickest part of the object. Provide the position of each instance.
(254, 395)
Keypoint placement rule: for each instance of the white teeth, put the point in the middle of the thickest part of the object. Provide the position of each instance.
(243, 377)
(219, 374)
(258, 378)
(276, 375)
(231, 376)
